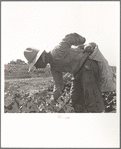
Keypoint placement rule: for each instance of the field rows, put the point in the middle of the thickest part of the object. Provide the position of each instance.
(33, 95)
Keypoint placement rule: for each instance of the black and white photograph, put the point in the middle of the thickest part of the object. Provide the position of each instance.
(60, 64)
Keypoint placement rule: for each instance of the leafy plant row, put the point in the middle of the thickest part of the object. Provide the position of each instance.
(22, 101)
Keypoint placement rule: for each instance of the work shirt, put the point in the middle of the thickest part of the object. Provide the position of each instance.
(64, 58)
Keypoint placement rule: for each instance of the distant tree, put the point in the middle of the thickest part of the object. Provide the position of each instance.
(19, 61)
(12, 62)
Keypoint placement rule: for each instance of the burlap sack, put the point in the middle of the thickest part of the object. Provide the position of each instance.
(107, 80)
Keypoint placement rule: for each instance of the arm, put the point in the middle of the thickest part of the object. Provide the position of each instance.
(72, 39)
(64, 46)
(58, 87)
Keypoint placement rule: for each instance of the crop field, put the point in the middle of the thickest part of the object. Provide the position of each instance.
(33, 95)
(21, 95)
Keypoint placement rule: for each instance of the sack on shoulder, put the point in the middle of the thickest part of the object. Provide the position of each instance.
(107, 80)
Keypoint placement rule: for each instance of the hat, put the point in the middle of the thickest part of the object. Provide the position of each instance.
(32, 55)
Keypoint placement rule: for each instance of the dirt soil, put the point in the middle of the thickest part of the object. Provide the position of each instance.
(33, 95)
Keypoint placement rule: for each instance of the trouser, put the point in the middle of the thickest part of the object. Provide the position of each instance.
(85, 91)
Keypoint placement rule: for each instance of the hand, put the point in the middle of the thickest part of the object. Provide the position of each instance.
(89, 49)
(93, 44)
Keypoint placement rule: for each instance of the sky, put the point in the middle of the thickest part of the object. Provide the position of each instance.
(42, 25)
